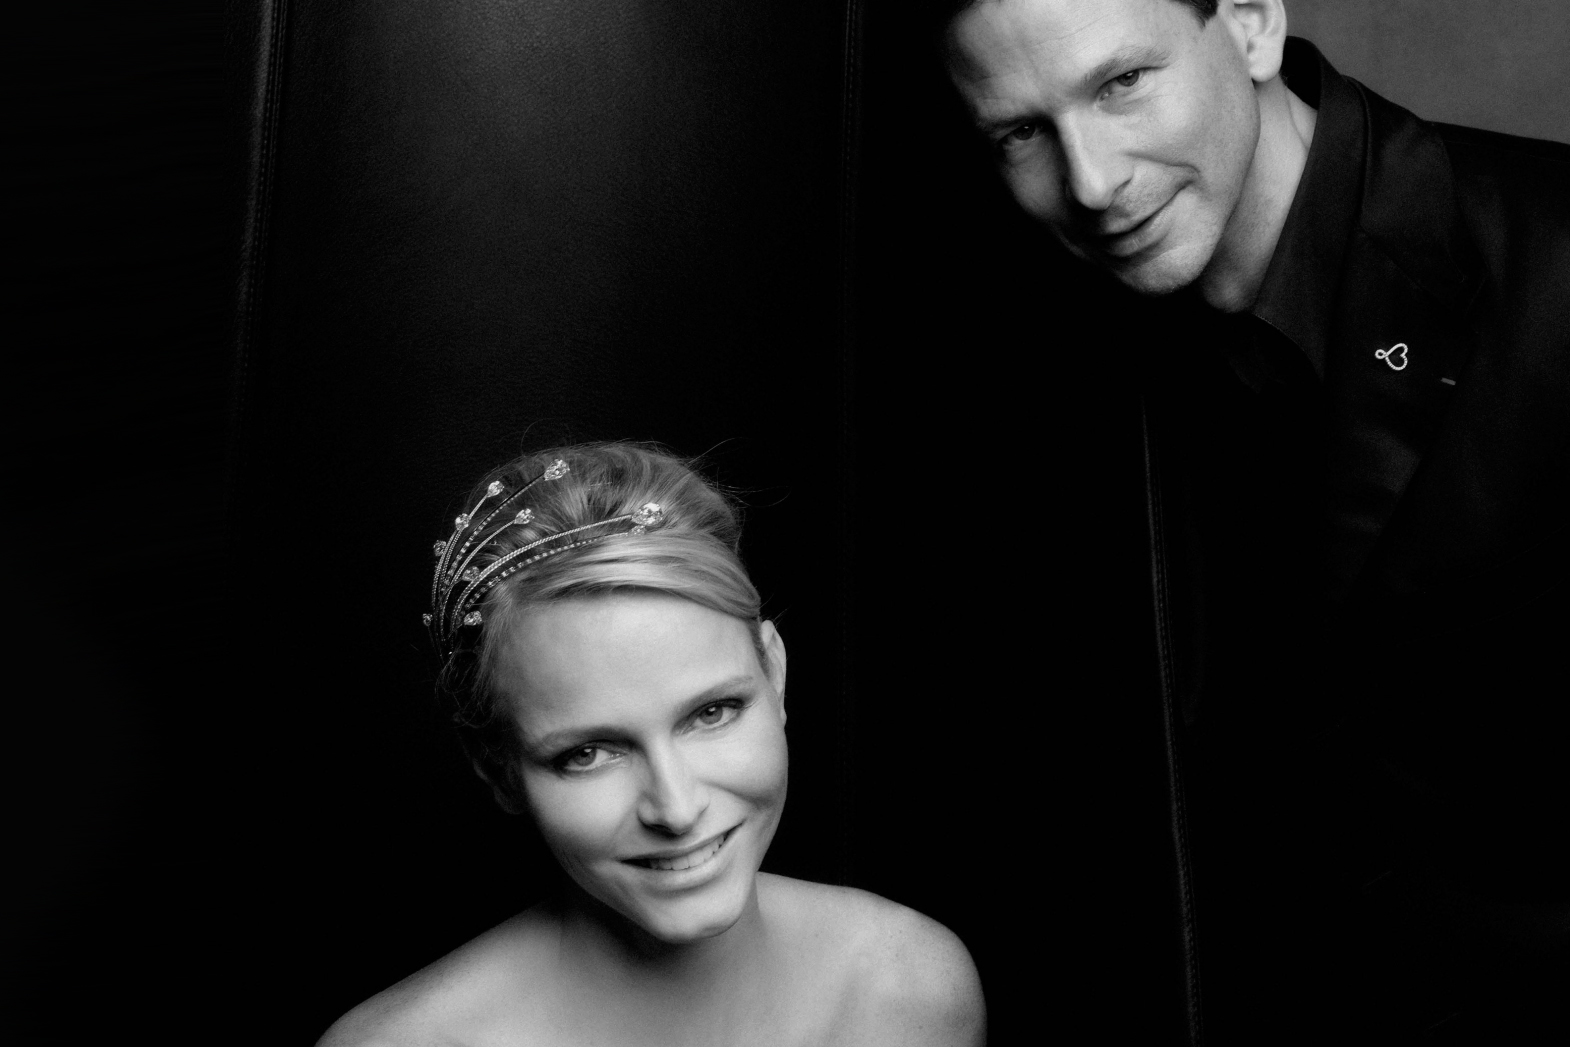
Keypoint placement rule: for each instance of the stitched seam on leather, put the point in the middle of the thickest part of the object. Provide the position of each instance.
(850, 158)
(259, 207)
(1164, 659)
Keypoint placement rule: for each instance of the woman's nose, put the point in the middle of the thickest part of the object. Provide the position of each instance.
(673, 798)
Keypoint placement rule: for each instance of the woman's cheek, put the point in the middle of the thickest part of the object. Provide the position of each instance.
(757, 766)
(578, 819)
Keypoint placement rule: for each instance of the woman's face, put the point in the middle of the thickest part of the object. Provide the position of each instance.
(654, 752)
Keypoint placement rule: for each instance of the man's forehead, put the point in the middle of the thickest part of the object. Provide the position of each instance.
(1061, 39)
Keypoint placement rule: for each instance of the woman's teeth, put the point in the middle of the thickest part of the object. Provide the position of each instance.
(685, 861)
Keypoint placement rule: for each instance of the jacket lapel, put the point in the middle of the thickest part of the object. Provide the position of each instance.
(1400, 337)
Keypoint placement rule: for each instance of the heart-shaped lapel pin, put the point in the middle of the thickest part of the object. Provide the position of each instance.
(1395, 356)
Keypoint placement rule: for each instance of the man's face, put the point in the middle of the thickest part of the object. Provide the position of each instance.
(1125, 126)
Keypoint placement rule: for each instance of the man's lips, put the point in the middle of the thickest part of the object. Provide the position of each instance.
(698, 854)
(1113, 234)
(1128, 238)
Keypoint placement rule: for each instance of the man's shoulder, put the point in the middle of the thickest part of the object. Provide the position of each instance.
(1484, 148)
(436, 1005)
(1513, 192)
(901, 971)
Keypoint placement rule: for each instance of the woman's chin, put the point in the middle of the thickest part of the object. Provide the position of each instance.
(687, 928)
(687, 917)
(690, 918)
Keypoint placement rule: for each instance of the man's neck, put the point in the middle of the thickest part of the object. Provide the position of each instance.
(1236, 271)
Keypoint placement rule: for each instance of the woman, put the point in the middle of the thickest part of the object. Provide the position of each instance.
(613, 681)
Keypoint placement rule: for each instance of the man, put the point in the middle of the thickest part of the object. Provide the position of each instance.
(1357, 410)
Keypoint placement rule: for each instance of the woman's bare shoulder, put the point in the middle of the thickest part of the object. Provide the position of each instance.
(904, 973)
(455, 1001)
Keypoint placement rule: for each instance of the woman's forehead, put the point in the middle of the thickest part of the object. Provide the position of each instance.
(629, 653)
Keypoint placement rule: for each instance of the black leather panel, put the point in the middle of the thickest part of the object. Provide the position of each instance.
(492, 224)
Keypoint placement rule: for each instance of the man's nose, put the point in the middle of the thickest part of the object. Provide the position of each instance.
(1093, 168)
(673, 798)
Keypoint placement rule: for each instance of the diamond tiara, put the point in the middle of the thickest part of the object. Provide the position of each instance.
(458, 587)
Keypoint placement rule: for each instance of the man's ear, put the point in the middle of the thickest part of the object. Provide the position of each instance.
(1259, 28)
(774, 661)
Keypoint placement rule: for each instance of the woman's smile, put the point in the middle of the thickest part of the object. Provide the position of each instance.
(697, 856)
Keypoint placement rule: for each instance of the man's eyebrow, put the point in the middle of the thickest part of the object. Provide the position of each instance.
(555, 741)
(1123, 60)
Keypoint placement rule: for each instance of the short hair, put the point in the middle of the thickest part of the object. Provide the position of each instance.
(950, 9)
(693, 553)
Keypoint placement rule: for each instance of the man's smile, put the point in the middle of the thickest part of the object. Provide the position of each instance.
(1127, 239)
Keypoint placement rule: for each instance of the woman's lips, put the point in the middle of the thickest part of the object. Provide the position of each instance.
(702, 854)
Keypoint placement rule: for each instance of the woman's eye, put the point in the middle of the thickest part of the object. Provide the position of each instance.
(1129, 79)
(583, 758)
(717, 714)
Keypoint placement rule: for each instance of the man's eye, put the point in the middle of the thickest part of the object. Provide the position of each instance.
(1129, 79)
(1022, 133)
(717, 714)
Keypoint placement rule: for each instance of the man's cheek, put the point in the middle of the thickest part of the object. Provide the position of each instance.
(1036, 189)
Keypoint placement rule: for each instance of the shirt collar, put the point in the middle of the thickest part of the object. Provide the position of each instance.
(1298, 295)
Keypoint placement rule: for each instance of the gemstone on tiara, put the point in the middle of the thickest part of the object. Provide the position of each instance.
(473, 618)
(439, 548)
(461, 521)
(556, 470)
(494, 489)
(472, 574)
(426, 618)
(524, 516)
(646, 517)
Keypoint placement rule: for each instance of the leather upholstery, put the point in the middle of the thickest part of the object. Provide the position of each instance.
(484, 224)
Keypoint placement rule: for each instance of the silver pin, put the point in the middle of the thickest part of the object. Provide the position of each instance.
(1448, 381)
(1395, 356)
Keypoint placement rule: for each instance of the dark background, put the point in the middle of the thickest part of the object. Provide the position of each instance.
(267, 337)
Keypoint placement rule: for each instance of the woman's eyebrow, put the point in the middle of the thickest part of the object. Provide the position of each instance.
(563, 737)
(566, 737)
(1121, 61)
(723, 689)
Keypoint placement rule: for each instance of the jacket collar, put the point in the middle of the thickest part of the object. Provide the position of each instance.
(1397, 321)
(1298, 294)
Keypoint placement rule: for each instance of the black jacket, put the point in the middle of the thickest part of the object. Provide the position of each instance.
(1358, 506)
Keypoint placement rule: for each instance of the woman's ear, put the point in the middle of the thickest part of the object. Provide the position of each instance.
(774, 661)
(504, 798)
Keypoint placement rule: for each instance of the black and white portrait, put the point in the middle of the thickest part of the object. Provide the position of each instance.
(646, 522)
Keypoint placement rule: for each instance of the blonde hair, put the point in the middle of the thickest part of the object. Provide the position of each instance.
(693, 554)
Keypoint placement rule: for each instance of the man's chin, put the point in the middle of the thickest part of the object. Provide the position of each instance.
(1158, 270)
(1156, 276)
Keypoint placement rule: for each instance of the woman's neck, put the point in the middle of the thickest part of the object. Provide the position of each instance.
(601, 945)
